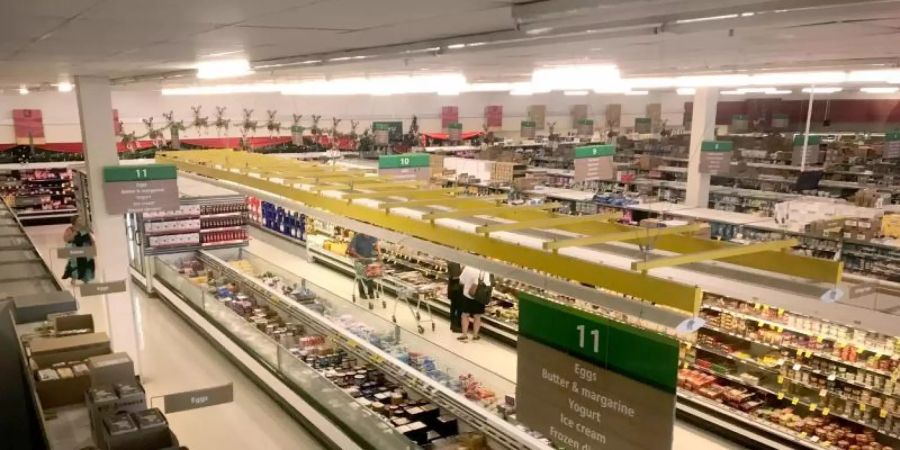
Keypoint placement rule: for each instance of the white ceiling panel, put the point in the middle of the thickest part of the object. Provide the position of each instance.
(45, 8)
(189, 11)
(446, 25)
(356, 15)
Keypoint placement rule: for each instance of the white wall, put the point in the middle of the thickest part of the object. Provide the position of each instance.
(61, 112)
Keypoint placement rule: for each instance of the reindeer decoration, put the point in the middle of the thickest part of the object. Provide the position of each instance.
(175, 129)
(334, 126)
(612, 133)
(199, 122)
(488, 134)
(296, 118)
(155, 135)
(271, 125)
(248, 125)
(353, 125)
(551, 127)
(129, 140)
(664, 131)
(315, 125)
(221, 122)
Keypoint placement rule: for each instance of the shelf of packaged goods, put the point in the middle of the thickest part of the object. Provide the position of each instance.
(800, 350)
(793, 400)
(228, 228)
(171, 232)
(45, 211)
(476, 415)
(227, 214)
(764, 425)
(206, 245)
(780, 325)
(65, 180)
(796, 366)
(158, 250)
(171, 218)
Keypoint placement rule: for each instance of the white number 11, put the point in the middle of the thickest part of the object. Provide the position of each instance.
(594, 333)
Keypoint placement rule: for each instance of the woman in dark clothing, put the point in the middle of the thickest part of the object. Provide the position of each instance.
(78, 268)
(454, 293)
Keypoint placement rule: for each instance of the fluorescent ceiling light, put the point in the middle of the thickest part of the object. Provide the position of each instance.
(455, 46)
(223, 69)
(637, 93)
(488, 87)
(873, 76)
(879, 90)
(224, 89)
(686, 91)
(64, 86)
(708, 19)
(575, 93)
(712, 81)
(574, 77)
(23, 90)
(780, 92)
(383, 85)
(797, 78)
(448, 93)
(649, 83)
(734, 92)
(520, 92)
(541, 30)
(756, 90)
(822, 90)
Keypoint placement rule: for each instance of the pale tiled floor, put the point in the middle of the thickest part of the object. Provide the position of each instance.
(176, 358)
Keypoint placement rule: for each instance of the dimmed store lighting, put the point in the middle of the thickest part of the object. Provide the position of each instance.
(23, 90)
(64, 86)
(822, 90)
(686, 91)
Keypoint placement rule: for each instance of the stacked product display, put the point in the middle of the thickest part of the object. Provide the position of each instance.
(39, 193)
(207, 223)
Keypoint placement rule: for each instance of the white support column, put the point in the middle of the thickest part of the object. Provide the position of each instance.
(98, 136)
(703, 127)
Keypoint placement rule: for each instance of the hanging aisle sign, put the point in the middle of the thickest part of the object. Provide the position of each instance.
(585, 127)
(643, 125)
(812, 150)
(493, 116)
(406, 166)
(594, 162)
(454, 132)
(393, 129)
(382, 133)
(781, 121)
(739, 123)
(538, 115)
(449, 114)
(715, 157)
(527, 129)
(145, 188)
(891, 145)
(28, 125)
(586, 382)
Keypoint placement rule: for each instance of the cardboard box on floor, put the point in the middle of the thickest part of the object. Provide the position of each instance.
(63, 391)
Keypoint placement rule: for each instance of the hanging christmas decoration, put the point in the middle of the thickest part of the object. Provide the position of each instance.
(221, 122)
(248, 125)
(271, 125)
(315, 125)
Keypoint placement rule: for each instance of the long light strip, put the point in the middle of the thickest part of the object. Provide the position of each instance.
(879, 90)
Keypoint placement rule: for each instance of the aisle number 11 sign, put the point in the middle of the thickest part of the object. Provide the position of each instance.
(144, 188)
(589, 383)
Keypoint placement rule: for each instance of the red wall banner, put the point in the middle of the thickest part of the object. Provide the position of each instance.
(29, 126)
(493, 116)
(449, 114)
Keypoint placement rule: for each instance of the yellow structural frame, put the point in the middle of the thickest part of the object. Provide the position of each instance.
(640, 233)
(720, 253)
(460, 213)
(550, 222)
(662, 292)
(446, 201)
(408, 193)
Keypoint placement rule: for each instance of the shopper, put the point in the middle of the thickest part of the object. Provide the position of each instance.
(455, 294)
(364, 250)
(75, 236)
(477, 288)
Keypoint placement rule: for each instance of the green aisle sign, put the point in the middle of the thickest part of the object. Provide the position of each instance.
(403, 161)
(651, 358)
(813, 140)
(594, 151)
(717, 146)
(147, 172)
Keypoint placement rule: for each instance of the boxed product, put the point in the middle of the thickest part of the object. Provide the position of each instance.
(62, 384)
(46, 351)
(143, 430)
(107, 400)
(68, 324)
(111, 369)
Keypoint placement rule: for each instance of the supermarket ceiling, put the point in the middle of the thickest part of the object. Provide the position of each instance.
(44, 41)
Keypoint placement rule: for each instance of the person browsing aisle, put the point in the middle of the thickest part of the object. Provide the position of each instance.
(477, 287)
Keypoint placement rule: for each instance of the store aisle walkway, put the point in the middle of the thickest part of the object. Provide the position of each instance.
(495, 356)
(176, 358)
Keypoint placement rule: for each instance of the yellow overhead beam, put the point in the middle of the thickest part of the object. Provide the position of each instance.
(460, 213)
(442, 201)
(725, 252)
(620, 236)
(546, 223)
(409, 193)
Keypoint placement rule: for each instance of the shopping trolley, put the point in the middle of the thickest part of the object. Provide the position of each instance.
(365, 271)
(409, 296)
